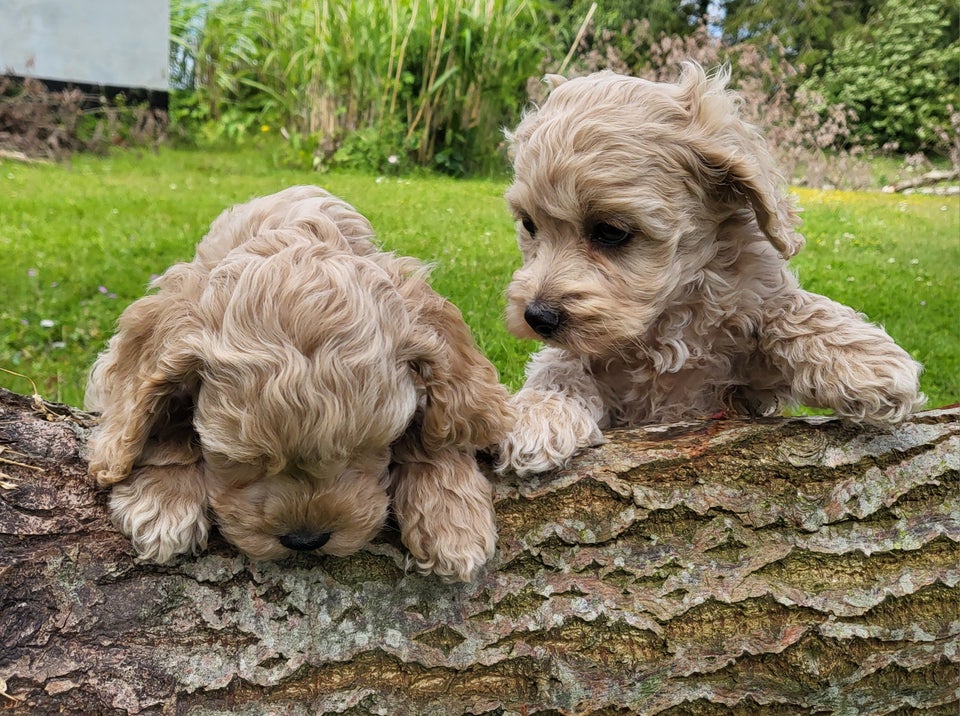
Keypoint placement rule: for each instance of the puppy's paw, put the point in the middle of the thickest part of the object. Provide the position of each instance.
(452, 553)
(883, 408)
(163, 510)
(550, 429)
(107, 463)
(881, 389)
(835, 359)
(446, 516)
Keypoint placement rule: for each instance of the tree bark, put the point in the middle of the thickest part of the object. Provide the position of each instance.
(787, 566)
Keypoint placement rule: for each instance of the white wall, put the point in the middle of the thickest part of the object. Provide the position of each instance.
(123, 43)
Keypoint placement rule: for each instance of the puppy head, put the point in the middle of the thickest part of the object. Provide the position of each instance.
(305, 384)
(308, 210)
(620, 187)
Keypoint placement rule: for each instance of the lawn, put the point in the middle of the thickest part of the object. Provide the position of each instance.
(82, 239)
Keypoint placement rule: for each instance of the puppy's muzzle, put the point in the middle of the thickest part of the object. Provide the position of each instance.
(543, 319)
(304, 541)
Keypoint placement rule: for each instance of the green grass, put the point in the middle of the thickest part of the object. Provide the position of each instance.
(81, 240)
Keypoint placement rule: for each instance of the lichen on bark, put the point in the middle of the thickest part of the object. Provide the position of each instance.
(778, 566)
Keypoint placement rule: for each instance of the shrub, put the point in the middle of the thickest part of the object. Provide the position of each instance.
(898, 74)
(45, 123)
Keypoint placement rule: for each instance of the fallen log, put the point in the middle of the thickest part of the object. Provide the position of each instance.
(789, 566)
(932, 177)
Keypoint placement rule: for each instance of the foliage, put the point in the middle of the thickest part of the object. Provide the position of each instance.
(386, 86)
(609, 27)
(427, 81)
(898, 75)
(75, 257)
(805, 29)
(890, 83)
(53, 123)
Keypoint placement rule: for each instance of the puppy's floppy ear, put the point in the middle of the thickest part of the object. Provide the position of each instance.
(733, 155)
(736, 172)
(144, 386)
(465, 402)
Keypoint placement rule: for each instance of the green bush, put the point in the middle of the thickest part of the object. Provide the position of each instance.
(898, 73)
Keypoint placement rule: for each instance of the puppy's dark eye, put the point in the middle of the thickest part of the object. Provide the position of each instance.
(528, 224)
(609, 235)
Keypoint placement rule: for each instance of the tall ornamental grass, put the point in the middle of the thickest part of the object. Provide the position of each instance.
(361, 82)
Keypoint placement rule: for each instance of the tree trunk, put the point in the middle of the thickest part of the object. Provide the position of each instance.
(788, 566)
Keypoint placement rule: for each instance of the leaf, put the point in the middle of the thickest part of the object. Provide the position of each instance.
(441, 80)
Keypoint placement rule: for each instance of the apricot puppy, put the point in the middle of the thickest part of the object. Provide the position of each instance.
(655, 232)
(295, 383)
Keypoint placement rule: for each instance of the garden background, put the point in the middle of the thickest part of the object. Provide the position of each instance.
(399, 108)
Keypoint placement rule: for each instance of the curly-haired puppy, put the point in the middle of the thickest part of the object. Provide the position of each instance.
(655, 232)
(296, 382)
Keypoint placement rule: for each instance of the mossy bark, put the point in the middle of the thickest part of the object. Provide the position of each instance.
(789, 566)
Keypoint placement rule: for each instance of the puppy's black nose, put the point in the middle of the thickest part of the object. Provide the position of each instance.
(543, 319)
(304, 541)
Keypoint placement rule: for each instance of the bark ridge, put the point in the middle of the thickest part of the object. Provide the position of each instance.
(784, 566)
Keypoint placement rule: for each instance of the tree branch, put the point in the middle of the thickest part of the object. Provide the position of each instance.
(932, 177)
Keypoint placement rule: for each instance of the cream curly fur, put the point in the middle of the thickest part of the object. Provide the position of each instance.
(293, 382)
(655, 232)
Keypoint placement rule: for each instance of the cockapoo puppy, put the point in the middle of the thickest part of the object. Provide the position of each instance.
(655, 232)
(297, 383)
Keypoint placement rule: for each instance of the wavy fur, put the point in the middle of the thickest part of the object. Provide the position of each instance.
(288, 380)
(697, 312)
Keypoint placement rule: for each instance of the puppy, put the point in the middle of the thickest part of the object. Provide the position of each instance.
(655, 232)
(296, 382)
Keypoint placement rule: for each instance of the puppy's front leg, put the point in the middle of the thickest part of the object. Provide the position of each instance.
(163, 510)
(559, 410)
(444, 505)
(833, 358)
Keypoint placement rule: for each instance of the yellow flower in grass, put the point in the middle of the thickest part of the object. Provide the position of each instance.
(265, 128)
